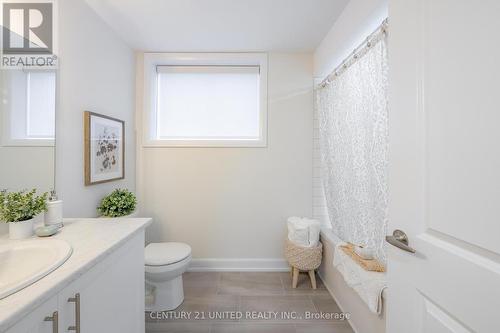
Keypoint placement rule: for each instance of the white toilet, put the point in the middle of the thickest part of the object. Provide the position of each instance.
(165, 263)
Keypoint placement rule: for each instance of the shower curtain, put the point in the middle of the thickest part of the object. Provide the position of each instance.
(352, 112)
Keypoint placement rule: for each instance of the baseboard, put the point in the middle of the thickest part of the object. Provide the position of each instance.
(238, 265)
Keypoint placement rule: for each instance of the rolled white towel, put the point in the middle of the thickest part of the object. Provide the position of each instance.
(314, 230)
(298, 231)
(303, 231)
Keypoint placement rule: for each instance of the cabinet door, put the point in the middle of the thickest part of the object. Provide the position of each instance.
(111, 293)
(35, 321)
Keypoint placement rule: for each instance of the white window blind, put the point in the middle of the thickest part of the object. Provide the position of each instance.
(208, 103)
(30, 108)
(41, 107)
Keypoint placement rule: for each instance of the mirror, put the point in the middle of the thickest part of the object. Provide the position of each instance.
(27, 129)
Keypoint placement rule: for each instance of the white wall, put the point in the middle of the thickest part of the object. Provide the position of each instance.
(357, 21)
(27, 168)
(230, 203)
(96, 73)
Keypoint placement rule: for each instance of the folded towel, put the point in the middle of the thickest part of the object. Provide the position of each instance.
(368, 284)
(363, 252)
(366, 264)
(303, 231)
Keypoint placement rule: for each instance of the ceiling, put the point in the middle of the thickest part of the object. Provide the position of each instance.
(220, 25)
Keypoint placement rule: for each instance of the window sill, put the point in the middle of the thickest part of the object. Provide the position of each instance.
(28, 143)
(236, 143)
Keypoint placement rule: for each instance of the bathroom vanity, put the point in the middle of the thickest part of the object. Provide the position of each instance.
(99, 288)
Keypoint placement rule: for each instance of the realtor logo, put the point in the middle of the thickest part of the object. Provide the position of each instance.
(28, 34)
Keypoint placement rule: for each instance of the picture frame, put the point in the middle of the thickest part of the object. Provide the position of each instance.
(104, 148)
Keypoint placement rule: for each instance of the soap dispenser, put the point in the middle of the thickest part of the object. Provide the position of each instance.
(53, 215)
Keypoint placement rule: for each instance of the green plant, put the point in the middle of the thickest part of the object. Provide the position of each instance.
(120, 202)
(22, 205)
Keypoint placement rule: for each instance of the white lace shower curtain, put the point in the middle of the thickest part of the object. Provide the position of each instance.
(352, 111)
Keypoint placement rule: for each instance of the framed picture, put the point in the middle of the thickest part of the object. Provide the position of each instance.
(104, 148)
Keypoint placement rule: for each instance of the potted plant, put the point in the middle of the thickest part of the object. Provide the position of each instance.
(120, 202)
(19, 209)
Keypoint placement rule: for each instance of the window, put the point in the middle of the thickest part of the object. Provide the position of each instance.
(206, 100)
(29, 119)
(40, 108)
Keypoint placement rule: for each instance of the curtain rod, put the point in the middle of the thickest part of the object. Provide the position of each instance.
(358, 52)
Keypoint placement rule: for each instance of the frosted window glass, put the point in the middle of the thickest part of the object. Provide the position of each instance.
(41, 104)
(208, 103)
(30, 98)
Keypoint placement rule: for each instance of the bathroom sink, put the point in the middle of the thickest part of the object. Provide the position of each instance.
(25, 262)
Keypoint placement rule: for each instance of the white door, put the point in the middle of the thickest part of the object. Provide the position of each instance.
(444, 159)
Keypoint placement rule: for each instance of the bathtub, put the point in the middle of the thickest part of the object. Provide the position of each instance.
(361, 319)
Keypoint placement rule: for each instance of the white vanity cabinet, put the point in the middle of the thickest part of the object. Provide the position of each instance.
(38, 320)
(107, 298)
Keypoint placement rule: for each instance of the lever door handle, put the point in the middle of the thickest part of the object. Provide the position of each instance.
(399, 240)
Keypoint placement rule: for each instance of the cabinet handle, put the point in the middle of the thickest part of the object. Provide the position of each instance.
(55, 321)
(75, 300)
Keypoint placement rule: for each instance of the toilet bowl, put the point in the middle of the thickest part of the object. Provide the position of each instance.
(164, 265)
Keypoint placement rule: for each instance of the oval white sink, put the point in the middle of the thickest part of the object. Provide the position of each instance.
(25, 262)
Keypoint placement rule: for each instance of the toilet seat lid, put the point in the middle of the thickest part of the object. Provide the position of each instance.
(160, 254)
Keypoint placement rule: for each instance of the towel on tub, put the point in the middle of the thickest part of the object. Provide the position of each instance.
(303, 231)
(368, 284)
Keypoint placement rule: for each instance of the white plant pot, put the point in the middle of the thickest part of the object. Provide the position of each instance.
(21, 230)
(135, 213)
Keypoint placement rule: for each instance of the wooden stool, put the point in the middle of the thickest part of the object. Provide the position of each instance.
(295, 277)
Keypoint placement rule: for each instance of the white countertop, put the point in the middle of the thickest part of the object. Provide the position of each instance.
(92, 240)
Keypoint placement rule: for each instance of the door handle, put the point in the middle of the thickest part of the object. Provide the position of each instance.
(55, 321)
(75, 300)
(399, 240)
